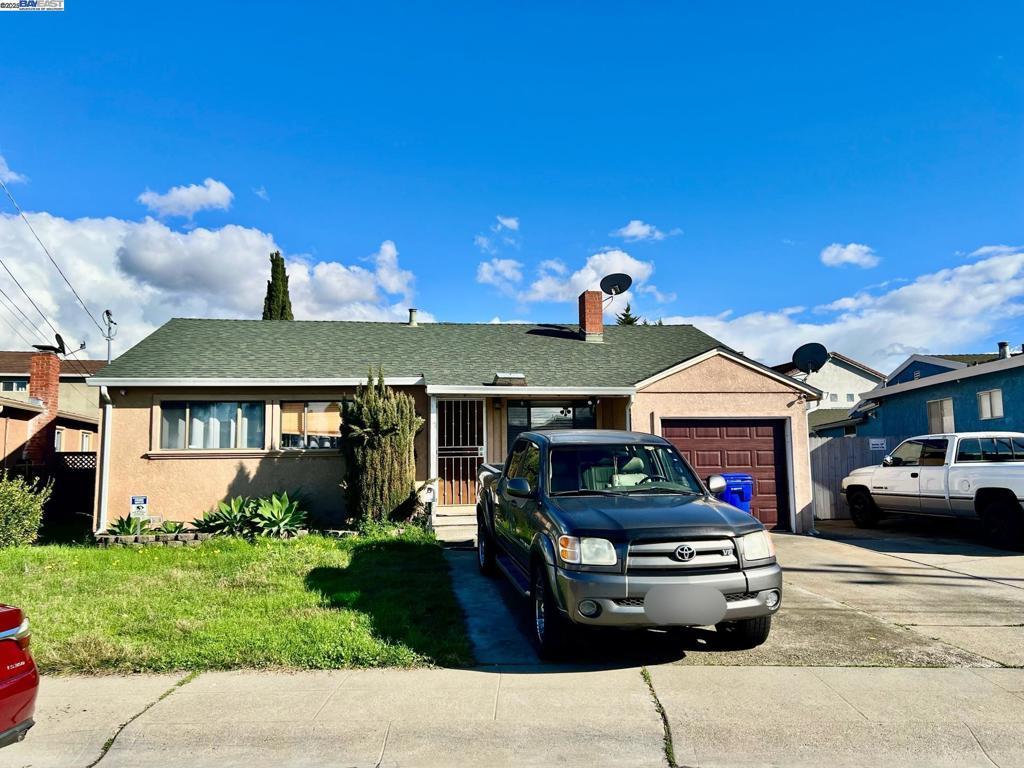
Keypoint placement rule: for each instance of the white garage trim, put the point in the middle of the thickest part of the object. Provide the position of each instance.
(788, 441)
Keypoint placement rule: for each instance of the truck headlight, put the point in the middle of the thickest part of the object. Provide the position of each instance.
(597, 552)
(757, 546)
(588, 551)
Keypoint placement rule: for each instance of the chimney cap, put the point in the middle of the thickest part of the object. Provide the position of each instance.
(412, 317)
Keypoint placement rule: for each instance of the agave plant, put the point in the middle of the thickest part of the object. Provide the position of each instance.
(129, 526)
(171, 526)
(231, 518)
(278, 516)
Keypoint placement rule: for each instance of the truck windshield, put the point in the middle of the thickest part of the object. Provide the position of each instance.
(582, 469)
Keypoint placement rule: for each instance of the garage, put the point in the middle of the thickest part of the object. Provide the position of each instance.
(754, 446)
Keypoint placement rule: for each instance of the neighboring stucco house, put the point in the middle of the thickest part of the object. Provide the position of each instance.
(46, 408)
(942, 393)
(841, 380)
(205, 409)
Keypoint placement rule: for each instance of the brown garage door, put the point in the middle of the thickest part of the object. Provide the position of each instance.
(755, 447)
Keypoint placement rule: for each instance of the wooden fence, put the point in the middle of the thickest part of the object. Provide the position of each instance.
(832, 459)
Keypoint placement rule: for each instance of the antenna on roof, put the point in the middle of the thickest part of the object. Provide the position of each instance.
(810, 357)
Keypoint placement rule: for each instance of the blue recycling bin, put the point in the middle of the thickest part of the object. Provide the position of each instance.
(739, 490)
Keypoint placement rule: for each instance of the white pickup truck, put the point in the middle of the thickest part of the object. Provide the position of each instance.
(969, 474)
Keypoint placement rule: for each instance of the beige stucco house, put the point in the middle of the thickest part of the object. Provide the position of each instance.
(206, 409)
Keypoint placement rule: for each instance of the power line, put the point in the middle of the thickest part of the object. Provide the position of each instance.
(47, 252)
(21, 316)
(12, 326)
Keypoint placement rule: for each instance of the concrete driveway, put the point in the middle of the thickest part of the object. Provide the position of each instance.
(891, 649)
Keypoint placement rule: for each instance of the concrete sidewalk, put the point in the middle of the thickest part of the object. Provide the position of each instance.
(534, 716)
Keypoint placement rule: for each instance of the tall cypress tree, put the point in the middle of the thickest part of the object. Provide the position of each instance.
(278, 304)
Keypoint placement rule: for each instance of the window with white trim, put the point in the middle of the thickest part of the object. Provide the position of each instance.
(211, 425)
(14, 386)
(990, 404)
(940, 415)
(86, 442)
(58, 440)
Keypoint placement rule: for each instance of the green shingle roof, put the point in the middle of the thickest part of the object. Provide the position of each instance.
(444, 353)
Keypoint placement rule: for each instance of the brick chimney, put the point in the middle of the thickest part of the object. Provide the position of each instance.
(592, 316)
(43, 385)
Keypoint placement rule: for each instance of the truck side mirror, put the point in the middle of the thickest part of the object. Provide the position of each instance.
(887, 461)
(519, 486)
(715, 484)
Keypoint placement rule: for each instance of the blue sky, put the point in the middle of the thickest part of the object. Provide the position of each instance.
(752, 137)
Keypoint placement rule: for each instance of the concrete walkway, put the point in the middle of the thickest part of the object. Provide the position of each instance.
(534, 716)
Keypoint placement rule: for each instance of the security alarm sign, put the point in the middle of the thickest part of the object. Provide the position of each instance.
(876, 443)
(140, 506)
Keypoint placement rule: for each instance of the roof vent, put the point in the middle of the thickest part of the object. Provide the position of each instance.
(1004, 350)
(412, 317)
(509, 379)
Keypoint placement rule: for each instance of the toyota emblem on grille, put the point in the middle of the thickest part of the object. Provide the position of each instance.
(685, 552)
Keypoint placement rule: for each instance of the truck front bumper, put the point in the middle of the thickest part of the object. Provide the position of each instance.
(620, 597)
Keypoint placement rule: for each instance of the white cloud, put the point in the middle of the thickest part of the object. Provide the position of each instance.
(188, 200)
(498, 321)
(8, 176)
(553, 265)
(484, 244)
(504, 274)
(552, 285)
(971, 300)
(261, 193)
(837, 254)
(658, 296)
(147, 272)
(637, 230)
(994, 250)
(507, 222)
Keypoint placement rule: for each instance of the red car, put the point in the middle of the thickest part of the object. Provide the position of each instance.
(19, 679)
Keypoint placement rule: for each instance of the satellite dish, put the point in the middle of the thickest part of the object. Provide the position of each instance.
(810, 357)
(58, 348)
(615, 284)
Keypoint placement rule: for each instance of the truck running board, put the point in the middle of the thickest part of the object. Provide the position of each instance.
(515, 574)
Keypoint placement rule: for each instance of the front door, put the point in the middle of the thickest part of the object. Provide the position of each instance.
(461, 439)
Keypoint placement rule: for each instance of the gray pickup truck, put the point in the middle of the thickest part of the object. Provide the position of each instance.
(614, 529)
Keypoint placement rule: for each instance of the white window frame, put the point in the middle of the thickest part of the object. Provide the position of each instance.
(86, 442)
(993, 399)
(58, 440)
(944, 426)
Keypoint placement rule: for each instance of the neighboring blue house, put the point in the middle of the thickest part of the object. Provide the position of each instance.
(940, 393)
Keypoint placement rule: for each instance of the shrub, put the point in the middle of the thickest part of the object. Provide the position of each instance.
(231, 518)
(379, 427)
(278, 516)
(171, 526)
(129, 526)
(21, 509)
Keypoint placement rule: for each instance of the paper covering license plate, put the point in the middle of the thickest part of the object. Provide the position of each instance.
(690, 604)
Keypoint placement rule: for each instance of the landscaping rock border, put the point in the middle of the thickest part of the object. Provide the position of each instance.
(184, 539)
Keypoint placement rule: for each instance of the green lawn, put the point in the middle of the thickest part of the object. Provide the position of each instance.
(312, 603)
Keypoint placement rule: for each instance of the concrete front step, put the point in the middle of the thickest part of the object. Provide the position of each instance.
(456, 534)
(446, 520)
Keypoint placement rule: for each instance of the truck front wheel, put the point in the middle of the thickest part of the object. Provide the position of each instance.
(862, 508)
(550, 628)
(745, 633)
(484, 546)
